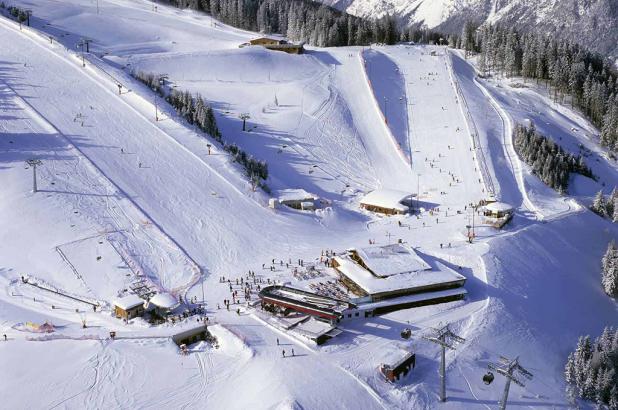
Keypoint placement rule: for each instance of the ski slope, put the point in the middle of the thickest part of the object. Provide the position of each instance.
(185, 218)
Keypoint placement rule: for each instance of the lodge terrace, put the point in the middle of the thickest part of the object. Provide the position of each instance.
(284, 298)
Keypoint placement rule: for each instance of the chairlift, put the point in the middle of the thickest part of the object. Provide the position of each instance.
(488, 378)
(406, 333)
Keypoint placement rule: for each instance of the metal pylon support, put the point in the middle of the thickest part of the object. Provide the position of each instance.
(445, 338)
(512, 370)
(34, 163)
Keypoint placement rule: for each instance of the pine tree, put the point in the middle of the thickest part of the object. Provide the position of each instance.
(609, 270)
(599, 205)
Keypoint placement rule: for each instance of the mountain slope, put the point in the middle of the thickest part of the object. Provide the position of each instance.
(593, 23)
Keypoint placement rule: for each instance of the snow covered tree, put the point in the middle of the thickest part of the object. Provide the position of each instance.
(567, 68)
(548, 160)
(599, 206)
(591, 370)
(609, 272)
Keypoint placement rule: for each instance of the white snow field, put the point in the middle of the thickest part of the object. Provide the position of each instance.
(123, 197)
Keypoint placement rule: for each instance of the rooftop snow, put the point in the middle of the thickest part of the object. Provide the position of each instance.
(387, 198)
(308, 297)
(373, 284)
(498, 207)
(164, 300)
(391, 260)
(295, 195)
(314, 328)
(128, 302)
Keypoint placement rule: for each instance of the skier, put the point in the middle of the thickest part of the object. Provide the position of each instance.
(292, 352)
(4, 337)
(122, 150)
(283, 352)
(277, 341)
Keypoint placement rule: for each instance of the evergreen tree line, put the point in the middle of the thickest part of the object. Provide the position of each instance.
(15, 12)
(609, 272)
(591, 371)
(589, 80)
(548, 160)
(195, 110)
(311, 22)
(606, 206)
(299, 20)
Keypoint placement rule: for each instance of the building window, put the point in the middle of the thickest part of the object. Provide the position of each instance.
(349, 315)
(356, 314)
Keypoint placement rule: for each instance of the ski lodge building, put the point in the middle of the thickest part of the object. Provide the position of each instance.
(498, 210)
(393, 277)
(380, 279)
(276, 44)
(387, 201)
(128, 307)
(295, 198)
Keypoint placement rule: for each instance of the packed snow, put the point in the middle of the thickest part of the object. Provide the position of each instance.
(123, 198)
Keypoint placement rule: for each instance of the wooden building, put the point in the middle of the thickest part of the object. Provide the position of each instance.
(289, 48)
(276, 44)
(128, 307)
(498, 210)
(192, 335)
(399, 368)
(263, 41)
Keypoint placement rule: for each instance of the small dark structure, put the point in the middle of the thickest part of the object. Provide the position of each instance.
(400, 368)
(192, 335)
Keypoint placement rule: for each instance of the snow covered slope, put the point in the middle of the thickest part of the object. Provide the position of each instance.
(125, 196)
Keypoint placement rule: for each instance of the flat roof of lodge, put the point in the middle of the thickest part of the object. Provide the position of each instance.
(405, 281)
(305, 299)
(314, 328)
(391, 259)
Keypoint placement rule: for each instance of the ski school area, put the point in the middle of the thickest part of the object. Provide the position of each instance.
(394, 236)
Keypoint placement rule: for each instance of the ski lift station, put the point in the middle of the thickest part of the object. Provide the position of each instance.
(387, 201)
(163, 303)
